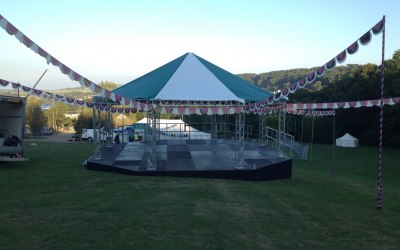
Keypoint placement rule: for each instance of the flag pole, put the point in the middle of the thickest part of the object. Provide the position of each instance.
(379, 188)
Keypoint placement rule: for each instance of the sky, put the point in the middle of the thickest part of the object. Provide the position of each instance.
(121, 40)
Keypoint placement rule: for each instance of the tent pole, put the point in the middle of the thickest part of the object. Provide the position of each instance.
(295, 127)
(379, 188)
(312, 136)
(151, 137)
(239, 154)
(262, 127)
(97, 136)
(302, 130)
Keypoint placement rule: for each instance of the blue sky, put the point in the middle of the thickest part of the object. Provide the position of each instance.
(122, 40)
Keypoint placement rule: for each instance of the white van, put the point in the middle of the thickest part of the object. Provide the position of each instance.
(88, 134)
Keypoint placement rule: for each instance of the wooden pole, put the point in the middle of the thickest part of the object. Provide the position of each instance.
(40, 78)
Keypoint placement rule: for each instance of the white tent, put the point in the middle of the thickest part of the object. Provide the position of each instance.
(347, 141)
(177, 130)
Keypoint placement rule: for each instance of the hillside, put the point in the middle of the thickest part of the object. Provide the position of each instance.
(270, 81)
(77, 92)
(81, 93)
(275, 80)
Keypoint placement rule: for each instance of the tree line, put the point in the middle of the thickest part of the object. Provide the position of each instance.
(53, 116)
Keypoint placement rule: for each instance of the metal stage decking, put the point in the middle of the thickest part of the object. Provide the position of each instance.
(195, 158)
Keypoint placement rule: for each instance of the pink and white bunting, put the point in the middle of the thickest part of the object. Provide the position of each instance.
(135, 107)
(60, 98)
(331, 64)
(258, 107)
(12, 30)
(295, 107)
(344, 105)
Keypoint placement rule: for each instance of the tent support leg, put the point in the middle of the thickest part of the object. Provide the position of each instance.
(239, 154)
(312, 137)
(214, 135)
(151, 140)
(109, 130)
(262, 129)
(97, 134)
(281, 132)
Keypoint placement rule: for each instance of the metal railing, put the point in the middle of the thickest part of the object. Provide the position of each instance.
(288, 145)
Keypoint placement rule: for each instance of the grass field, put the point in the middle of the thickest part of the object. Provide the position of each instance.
(51, 202)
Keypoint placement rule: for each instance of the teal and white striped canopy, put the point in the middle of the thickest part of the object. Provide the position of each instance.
(191, 78)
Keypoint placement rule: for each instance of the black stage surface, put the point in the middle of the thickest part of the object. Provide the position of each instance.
(195, 158)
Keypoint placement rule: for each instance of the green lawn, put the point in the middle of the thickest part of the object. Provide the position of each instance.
(51, 202)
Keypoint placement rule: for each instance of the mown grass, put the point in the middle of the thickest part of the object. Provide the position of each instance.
(51, 202)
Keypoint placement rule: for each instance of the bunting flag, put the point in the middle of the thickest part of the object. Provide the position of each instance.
(68, 100)
(311, 112)
(290, 110)
(84, 82)
(258, 107)
(292, 107)
(319, 112)
(135, 107)
(331, 64)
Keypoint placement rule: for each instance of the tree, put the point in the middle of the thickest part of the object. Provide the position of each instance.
(56, 115)
(85, 120)
(109, 85)
(34, 114)
(36, 119)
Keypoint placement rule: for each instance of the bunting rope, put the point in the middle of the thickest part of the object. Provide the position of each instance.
(312, 112)
(288, 109)
(84, 82)
(73, 75)
(178, 107)
(69, 100)
(135, 107)
(258, 107)
(331, 64)
(293, 107)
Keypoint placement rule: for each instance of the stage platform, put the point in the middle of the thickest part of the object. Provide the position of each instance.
(195, 158)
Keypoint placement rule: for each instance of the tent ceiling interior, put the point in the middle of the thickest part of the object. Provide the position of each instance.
(191, 78)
